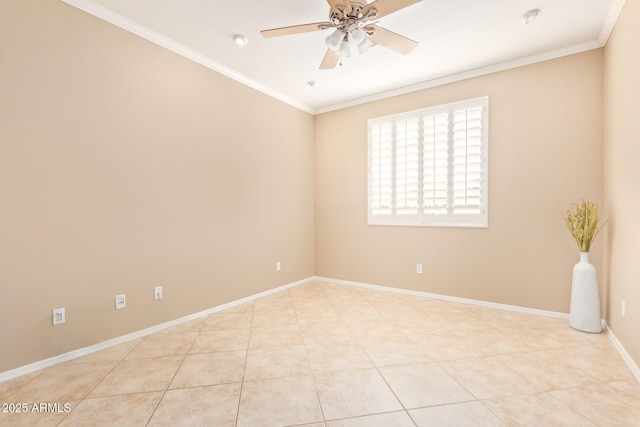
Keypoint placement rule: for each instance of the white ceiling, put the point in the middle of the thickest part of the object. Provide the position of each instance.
(458, 39)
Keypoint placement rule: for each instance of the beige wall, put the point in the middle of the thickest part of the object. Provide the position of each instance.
(124, 166)
(545, 152)
(622, 177)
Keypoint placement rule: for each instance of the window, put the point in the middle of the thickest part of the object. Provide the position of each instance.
(429, 167)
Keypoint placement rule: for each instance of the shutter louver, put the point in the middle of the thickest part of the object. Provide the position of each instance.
(435, 164)
(407, 161)
(381, 153)
(467, 160)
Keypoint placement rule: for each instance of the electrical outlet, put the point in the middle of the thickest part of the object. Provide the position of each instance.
(278, 266)
(157, 293)
(419, 268)
(58, 316)
(121, 301)
(623, 309)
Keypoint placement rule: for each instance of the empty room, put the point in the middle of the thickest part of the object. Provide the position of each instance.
(319, 213)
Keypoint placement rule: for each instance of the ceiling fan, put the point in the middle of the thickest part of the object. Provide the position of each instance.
(354, 32)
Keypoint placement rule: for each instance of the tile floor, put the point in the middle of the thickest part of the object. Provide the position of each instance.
(331, 355)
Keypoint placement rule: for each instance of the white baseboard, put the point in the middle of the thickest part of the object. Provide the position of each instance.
(42, 364)
(623, 352)
(635, 370)
(33, 367)
(446, 298)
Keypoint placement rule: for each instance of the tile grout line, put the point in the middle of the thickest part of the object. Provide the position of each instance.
(25, 384)
(98, 383)
(244, 367)
(375, 366)
(164, 392)
(404, 408)
(313, 378)
(571, 407)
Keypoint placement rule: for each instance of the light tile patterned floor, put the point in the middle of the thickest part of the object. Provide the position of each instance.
(331, 355)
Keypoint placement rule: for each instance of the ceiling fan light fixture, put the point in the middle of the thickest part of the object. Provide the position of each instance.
(356, 34)
(345, 49)
(365, 46)
(530, 15)
(334, 40)
(240, 40)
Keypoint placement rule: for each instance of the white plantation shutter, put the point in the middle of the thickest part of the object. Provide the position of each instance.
(429, 167)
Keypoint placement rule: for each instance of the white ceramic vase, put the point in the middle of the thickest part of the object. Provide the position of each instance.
(584, 313)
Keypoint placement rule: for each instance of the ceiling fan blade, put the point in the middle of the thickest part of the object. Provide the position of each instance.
(296, 29)
(393, 41)
(345, 3)
(386, 7)
(330, 60)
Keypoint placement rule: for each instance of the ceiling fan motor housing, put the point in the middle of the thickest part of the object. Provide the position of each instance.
(340, 17)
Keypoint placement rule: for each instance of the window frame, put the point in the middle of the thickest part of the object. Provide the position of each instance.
(422, 219)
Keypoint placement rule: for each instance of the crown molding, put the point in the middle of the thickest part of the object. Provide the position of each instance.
(605, 32)
(100, 12)
(465, 75)
(154, 37)
(610, 20)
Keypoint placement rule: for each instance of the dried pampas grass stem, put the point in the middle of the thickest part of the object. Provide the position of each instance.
(582, 222)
